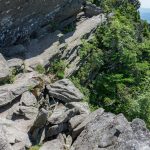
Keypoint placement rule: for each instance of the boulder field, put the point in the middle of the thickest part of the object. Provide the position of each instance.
(37, 109)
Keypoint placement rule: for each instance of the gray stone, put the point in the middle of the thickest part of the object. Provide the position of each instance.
(65, 90)
(52, 145)
(4, 144)
(14, 134)
(100, 132)
(23, 83)
(88, 119)
(41, 119)
(37, 131)
(4, 69)
(61, 137)
(29, 113)
(42, 51)
(19, 146)
(83, 107)
(16, 63)
(68, 142)
(113, 132)
(62, 116)
(56, 129)
(18, 19)
(76, 120)
(28, 99)
(56, 116)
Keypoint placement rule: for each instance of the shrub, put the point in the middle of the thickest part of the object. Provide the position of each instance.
(58, 67)
(36, 147)
(40, 69)
(71, 27)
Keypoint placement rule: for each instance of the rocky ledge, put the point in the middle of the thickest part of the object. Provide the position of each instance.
(37, 108)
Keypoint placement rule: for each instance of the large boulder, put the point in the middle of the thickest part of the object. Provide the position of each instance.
(76, 131)
(56, 129)
(29, 113)
(61, 115)
(113, 132)
(25, 109)
(64, 117)
(28, 99)
(40, 120)
(82, 107)
(23, 83)
(65, 90)
(76, 120)
(4, 69)
(36, 132)
(56, 116)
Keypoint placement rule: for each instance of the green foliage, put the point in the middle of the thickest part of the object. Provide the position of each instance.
(58, 67)
(11, 78)
(36, 147)
(30, 88)
(40, 69)
(8, 80)
(122, 5)
(71, 27)
(116, 66)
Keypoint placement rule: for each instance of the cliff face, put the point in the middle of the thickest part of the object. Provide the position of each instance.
(19, 18)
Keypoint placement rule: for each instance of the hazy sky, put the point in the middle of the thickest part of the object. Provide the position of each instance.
(145, 3)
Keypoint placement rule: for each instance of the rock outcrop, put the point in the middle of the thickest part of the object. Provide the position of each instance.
(23, 83)
(113, 132)
(35, 107)
(21, 18)
(65, 90)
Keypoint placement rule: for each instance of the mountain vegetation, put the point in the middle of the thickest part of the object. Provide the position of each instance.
(116, 70)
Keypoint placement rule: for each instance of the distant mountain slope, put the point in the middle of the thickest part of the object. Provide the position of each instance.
(145, 14)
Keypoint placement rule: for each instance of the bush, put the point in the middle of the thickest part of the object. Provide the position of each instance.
(58, 68)
(36, 147)
(11, 78)
(40, 69)
(69, 28)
